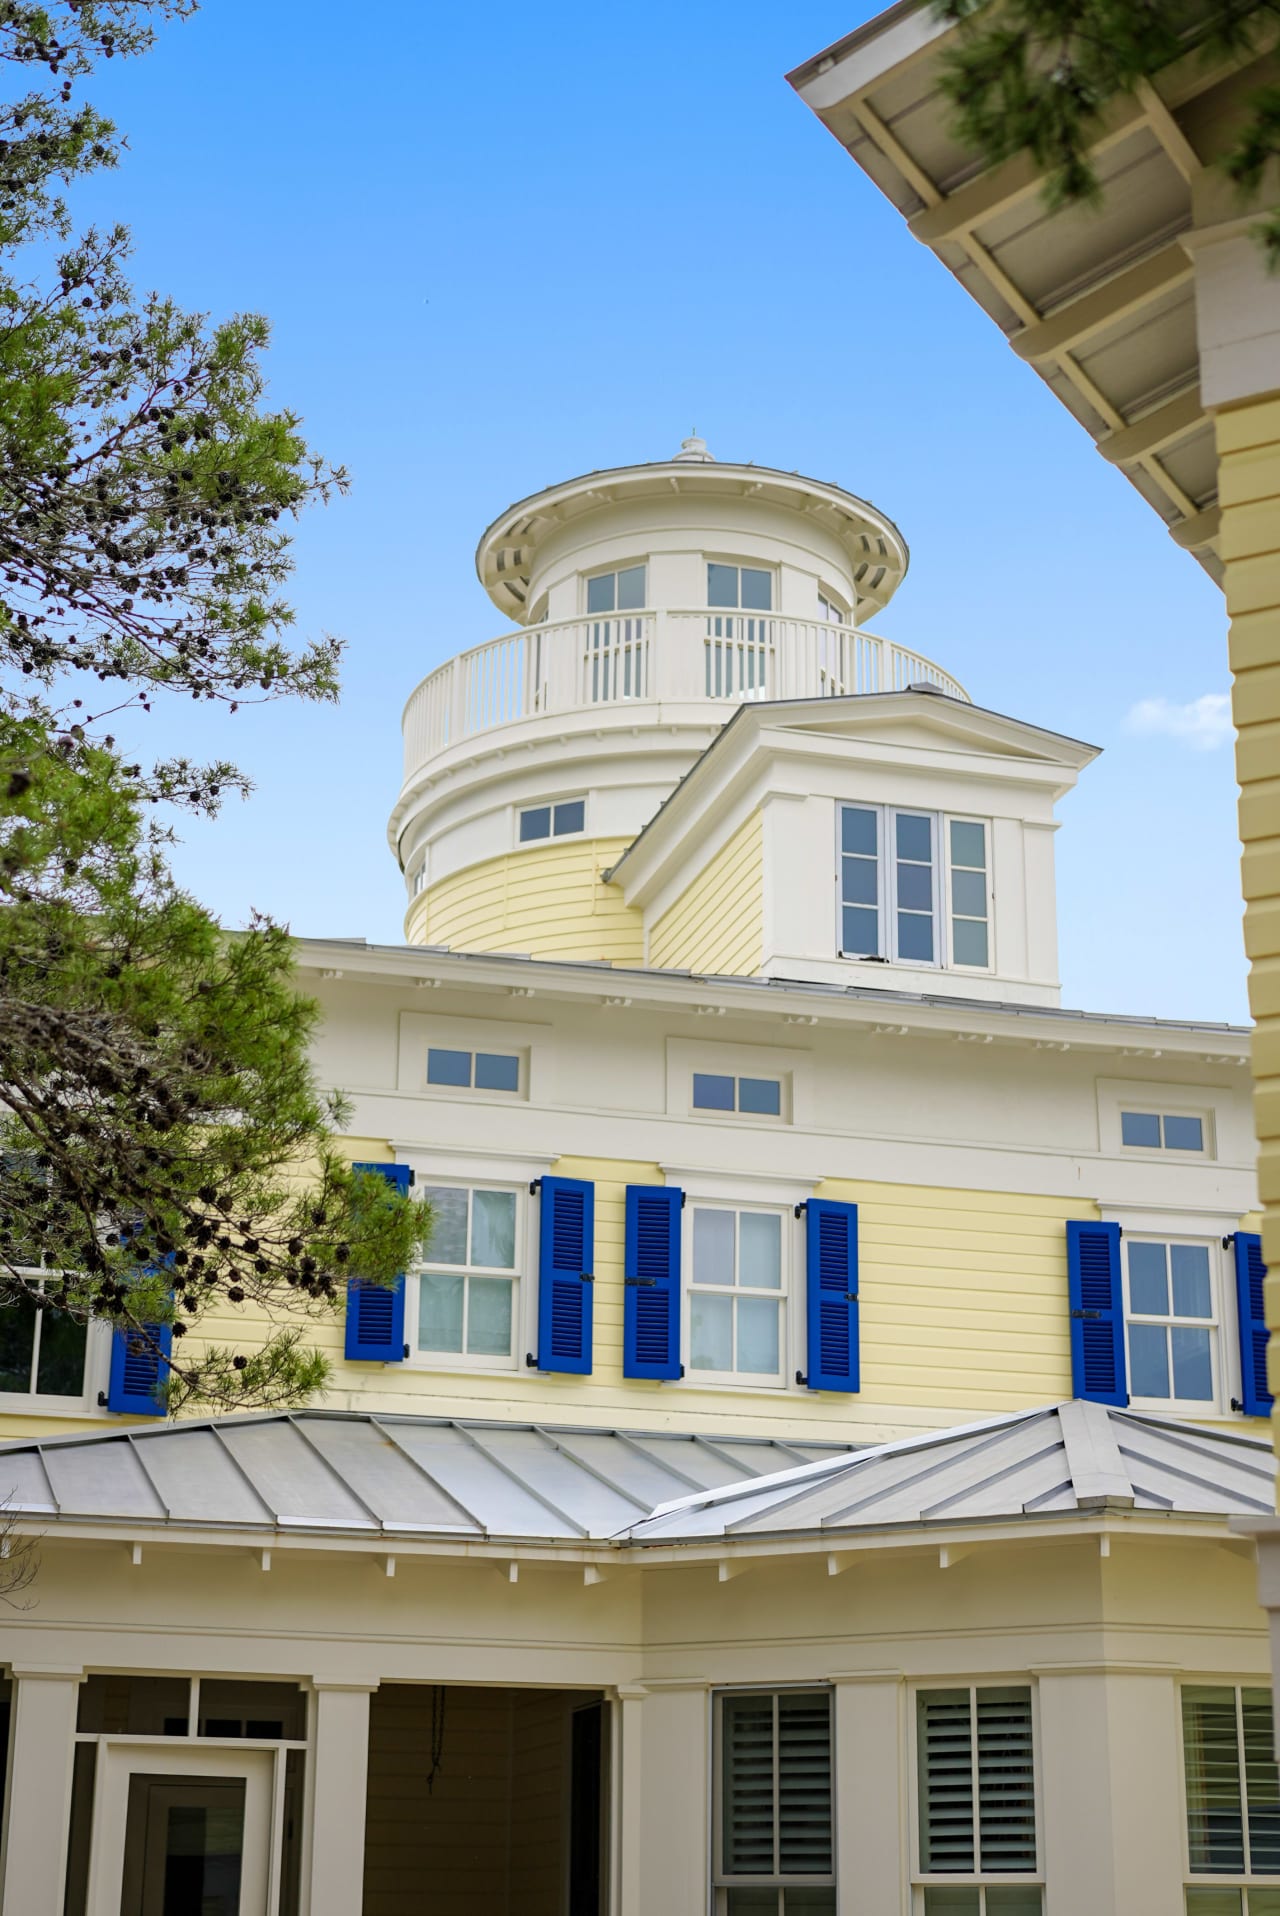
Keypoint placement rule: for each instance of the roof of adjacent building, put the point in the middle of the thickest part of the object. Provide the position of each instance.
(385, 1477)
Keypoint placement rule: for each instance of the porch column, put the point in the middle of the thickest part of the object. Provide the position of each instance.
(39, 1805)
(339, 1793)
(873, 1865)
(628, 1797)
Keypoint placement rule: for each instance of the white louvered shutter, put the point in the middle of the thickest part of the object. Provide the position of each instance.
(945, 1736)
(748, 1786)
(804, 1784)
(777, 1785)
(977, 1782)
(1006, 1782)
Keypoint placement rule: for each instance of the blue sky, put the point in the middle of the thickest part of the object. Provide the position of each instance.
(500, 247)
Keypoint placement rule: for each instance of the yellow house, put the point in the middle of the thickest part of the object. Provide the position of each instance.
(799, 1476)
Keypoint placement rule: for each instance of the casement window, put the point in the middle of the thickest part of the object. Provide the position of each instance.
(743, 587)
(1162, 1131)
(560, 820)
(977, 1851)
(737, 1293)
(473, 1070)
(746, 1097)
(621, 591)
(774, 1852)
(1171, 1321)
(831, 611)
(1232, 1801)
(895, 869)
(466, 1290)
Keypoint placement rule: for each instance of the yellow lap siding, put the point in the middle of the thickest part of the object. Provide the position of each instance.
(545, 900)
(717, 925)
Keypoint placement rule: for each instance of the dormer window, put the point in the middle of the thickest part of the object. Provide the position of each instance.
(748, 587)
(621, 591)
(892, 883)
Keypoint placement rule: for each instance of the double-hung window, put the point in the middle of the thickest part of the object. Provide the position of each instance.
(737, 1293)
(1171, 1321)
(1233, 1802)
(975, 1755)
(774, 1844)
(914, 888)
(467, 1288)
(621, 591)
(44, 1352)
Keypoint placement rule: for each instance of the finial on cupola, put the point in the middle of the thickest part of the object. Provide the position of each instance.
(693, 451)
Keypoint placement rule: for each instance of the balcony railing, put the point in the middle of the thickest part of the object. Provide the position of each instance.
(575, 665)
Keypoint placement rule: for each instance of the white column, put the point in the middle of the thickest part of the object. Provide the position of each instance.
(873, 1867)
(339, 1792)
(39, 1806)
(628, 1798)
(673, 1825)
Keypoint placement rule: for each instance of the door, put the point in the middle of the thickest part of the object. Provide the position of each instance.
(181, 1832)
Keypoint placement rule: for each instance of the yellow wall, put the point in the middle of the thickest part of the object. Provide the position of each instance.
(717, 925)
(543, 900)
(1249, 490)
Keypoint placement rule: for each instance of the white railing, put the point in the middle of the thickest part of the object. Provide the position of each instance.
(683, 657)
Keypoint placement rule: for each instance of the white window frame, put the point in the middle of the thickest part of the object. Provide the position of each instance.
(770, 1076)
(525, 1267)
(720, 1888)
(1159, 1108)
(1116, 1095)
(750, 565)
(792, 1068)
(886, 889)
(977, 1879)
(549, 804)
(418, 878)
(474, 1090)
(1247, 1879)
(946, 821)
(97, 1364)
(831, 608)
(420, 1032)
(788, 1267)
(1222, 1293)
(612, 571)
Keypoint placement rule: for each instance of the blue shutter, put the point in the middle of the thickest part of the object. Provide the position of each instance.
(138, 1368)
(651, 1307)
(1250, 1271)
(566, 1261)
(375, 1312)
(1097, 1313)
(831, 1263)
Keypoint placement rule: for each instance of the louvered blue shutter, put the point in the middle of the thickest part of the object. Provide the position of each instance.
(566, 1268)
(831, 1262)
(375, 1312)
(1255, 1397)
(138, 1368)
(1097, 1313)
(651, 1307)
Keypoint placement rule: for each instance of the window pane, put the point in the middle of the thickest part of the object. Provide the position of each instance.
(757, 589)
(17, 1340)
(489, 1317)
(60, 1372)
(914, 837)
(761, 1097)
(448, 1067)
(1148, 1360)
(804, 1784)
(757, 1335)
(1192, 1363)
(952, 1902)
(440, 1312)
(968, 843)
(915, 888)
(448, 1241)
(493, 1230)
(535, 823)
(858, 830)
(602, 592)
(630, 588)
(1148, 1280)
(969, 893)
(1141, 1128)
(1264, 1902)
(1183, 1134)
(1262, 1789)
(753, 1902)
(915, 937)
(859, 881)
(711, 1092)
(722, 584)
(946, 1780)
(809, 1902)
(760, 1250)
(711, 1331)
(1192, 1291)
(1214, 1902)
(860, 931)
(497, 1072)
(1215, 1831)
(747, 1837)
(571, 816)
(969, 942)
(713, 1247)
(1015, 1900)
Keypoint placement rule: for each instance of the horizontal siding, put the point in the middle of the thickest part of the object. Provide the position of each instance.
(717, 925)
(547, 901)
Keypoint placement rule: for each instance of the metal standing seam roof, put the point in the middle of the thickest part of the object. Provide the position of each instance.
(382, 1477)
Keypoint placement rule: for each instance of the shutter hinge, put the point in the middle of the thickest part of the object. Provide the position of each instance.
(535, 1187)
(531, 1362)
(851, 1297)
(413, 1177)
(684, 1199)
(102, 1400)
(1228, 1241)
(405, 1358)
(802, 1380)
(646, 1283)
(1235, 1401)
(682, 1370)
(802, 1208)
(1086, 1313)
(588, 1277)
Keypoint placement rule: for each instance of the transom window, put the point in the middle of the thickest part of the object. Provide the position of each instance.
(553, 821)
(892, 882)
(736, 1293)
(466, 1291)
(774, 1848)
(749, 1097)
(473, 1070)
(977, 1802)
(748, 587)
(1170, 1321)
(43, 1352)
(1233, 1801)
(621, 591)
(1161, 1131)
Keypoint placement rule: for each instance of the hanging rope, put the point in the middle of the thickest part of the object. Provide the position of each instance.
(437, 1733)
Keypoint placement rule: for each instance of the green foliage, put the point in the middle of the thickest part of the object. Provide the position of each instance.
(1034, 76)
(164, 1153)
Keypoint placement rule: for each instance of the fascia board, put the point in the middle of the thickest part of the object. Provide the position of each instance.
(901, 34)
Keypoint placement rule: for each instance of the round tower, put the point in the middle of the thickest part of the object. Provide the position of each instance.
(651, 601)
